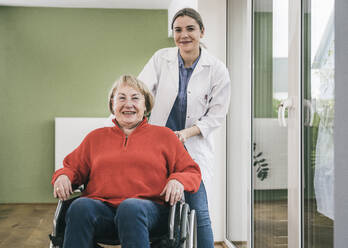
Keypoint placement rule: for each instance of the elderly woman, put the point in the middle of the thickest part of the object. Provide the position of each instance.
(132, 169)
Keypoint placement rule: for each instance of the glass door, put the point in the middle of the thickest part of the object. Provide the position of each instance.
(270, 133)
(318, 114)
(287, 167)
(276, 124)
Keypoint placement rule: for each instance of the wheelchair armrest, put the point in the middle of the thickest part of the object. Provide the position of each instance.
(57, 235)
(78, 188)
(62, 207)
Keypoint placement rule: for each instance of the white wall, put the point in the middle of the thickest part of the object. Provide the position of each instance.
(214, 18)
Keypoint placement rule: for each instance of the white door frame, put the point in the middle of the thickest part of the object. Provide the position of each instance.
(294, 125)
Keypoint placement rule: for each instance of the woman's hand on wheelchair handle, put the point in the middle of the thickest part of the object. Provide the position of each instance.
(173, 191)
(62, 188)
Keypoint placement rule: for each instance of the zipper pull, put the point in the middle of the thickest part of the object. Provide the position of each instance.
(125, 142)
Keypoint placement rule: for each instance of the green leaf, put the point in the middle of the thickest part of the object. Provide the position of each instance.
(259, 154)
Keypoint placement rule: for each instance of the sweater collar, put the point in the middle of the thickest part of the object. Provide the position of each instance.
(141, 125)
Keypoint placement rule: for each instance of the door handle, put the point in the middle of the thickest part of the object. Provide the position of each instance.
(280, 109)
(309, 109)
(284, 104)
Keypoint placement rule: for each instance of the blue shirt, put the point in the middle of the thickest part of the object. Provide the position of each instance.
(177, 117)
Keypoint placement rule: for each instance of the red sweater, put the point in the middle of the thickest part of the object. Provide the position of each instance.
(117, 167)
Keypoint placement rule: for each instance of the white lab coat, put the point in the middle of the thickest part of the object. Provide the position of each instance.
(208, 95)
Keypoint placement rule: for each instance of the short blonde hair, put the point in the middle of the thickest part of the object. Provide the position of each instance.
(136, 84)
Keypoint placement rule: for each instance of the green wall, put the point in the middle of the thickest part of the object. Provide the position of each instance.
(263, 81)
(57, 62)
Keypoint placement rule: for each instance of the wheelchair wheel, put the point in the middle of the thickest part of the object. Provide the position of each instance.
(192, 232)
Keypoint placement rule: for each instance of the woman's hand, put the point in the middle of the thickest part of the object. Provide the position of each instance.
(173, 191)
(181, 135)
(186, 133)
(62, 187)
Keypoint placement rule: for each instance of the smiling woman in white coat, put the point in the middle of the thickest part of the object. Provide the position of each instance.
(192, 93)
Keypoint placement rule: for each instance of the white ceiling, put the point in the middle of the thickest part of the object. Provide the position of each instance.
(117, 4)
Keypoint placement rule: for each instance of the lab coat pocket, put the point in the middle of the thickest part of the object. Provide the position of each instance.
(204, 101)
(200, 107)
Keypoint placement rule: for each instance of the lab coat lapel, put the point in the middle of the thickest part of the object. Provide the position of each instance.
(173, 66)
(174, 73)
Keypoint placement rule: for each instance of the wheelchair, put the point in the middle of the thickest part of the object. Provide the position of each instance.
(182, 227)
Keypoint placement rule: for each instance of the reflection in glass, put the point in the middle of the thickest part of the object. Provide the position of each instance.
(318, 113)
